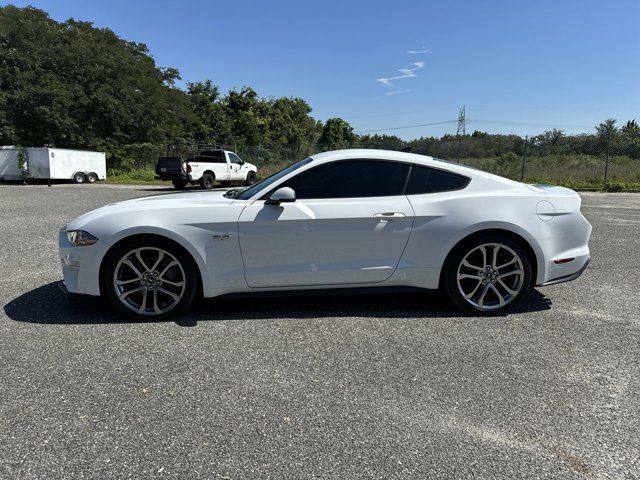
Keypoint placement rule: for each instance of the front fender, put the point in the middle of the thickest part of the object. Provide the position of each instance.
(196, 253)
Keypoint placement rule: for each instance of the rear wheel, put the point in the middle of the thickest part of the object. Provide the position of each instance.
(92, 177)
(487, 275)
(79, 177)
(251, 178)
(179, 184)
(206, 181)
(150, 279)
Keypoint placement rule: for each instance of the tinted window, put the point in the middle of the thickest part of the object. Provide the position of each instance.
(431, 180)
(351, 178)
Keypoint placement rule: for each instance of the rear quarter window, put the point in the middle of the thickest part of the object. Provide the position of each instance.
(432, 180)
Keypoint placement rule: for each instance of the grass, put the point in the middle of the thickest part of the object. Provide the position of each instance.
(143, 176)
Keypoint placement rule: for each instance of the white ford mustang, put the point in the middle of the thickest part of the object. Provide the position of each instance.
(342, 219)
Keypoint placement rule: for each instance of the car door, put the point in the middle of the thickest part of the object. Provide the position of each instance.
(349, 225)
(235, 167)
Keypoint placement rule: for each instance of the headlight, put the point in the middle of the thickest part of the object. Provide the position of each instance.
(80, 238)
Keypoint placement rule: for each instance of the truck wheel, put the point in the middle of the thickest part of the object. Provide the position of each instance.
(251, 178)
(92, 177)
(79, 177)
(179, 184)
(206, 181)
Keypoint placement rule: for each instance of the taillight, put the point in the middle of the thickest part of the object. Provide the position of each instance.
(188, 168)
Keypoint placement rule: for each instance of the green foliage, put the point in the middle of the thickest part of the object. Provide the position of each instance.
(22, 163)
(72, 85)
(337, 133)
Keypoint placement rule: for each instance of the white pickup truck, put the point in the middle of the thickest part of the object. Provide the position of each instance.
(211, 164)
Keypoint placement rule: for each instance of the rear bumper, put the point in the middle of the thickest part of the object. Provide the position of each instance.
(173, 176)
(569, 277)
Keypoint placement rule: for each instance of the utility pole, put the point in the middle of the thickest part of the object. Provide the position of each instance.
(461, 131)
(524, 157)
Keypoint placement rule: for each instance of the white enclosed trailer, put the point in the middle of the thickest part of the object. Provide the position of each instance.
(55, 164)
(9, 169)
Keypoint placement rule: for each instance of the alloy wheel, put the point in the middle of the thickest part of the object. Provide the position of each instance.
(490, 276)
(149, 281)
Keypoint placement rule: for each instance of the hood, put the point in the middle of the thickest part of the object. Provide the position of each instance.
(153, 204)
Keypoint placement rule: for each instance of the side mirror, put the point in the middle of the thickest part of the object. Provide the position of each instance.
(282, 195)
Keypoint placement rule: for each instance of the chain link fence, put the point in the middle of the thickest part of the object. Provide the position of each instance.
(518, 159)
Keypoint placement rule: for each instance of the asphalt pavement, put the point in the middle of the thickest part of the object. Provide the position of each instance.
(378, 386)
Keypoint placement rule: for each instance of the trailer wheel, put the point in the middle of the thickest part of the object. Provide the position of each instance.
(92, 177)
(79, 177)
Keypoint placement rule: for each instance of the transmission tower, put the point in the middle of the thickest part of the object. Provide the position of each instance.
(461, 132)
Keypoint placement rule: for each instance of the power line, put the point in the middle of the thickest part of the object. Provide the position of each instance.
(528, 124)
(410, 126)
(482, 121)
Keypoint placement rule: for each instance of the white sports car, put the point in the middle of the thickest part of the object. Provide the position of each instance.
(342, 219)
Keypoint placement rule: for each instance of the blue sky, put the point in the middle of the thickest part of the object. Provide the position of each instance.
(563, 62)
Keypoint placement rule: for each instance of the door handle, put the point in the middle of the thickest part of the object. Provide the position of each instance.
(389, 215)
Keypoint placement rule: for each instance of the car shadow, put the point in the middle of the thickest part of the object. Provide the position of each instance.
(49, 305)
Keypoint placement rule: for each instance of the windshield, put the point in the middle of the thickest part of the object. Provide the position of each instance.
(247, 193)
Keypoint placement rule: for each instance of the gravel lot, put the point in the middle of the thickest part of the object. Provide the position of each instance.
(384, 386)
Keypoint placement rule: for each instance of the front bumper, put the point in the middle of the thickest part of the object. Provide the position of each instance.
(81, 265)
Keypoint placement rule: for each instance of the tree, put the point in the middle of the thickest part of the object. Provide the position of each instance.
(212, 125)
(72, 85)
(337, 133)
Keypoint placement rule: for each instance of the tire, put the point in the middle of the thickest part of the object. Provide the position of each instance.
(92, 177)
(169, 288)
(251, 178)
(206, 181)
(79, 177)
(483, 287)
(179, 184)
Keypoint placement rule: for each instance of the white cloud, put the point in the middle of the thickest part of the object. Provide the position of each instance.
(398, 92)
(406, 73)
(422, 50)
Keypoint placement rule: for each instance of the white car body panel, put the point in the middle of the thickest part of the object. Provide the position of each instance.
(324, 241)
(246, 245)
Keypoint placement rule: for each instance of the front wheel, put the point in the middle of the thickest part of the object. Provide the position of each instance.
(150, 279)
(79, 177)
(251, 178)
(487, 275)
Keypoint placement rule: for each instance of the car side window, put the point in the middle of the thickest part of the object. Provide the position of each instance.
(350, 179)
(432, 180)
(234, 158)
